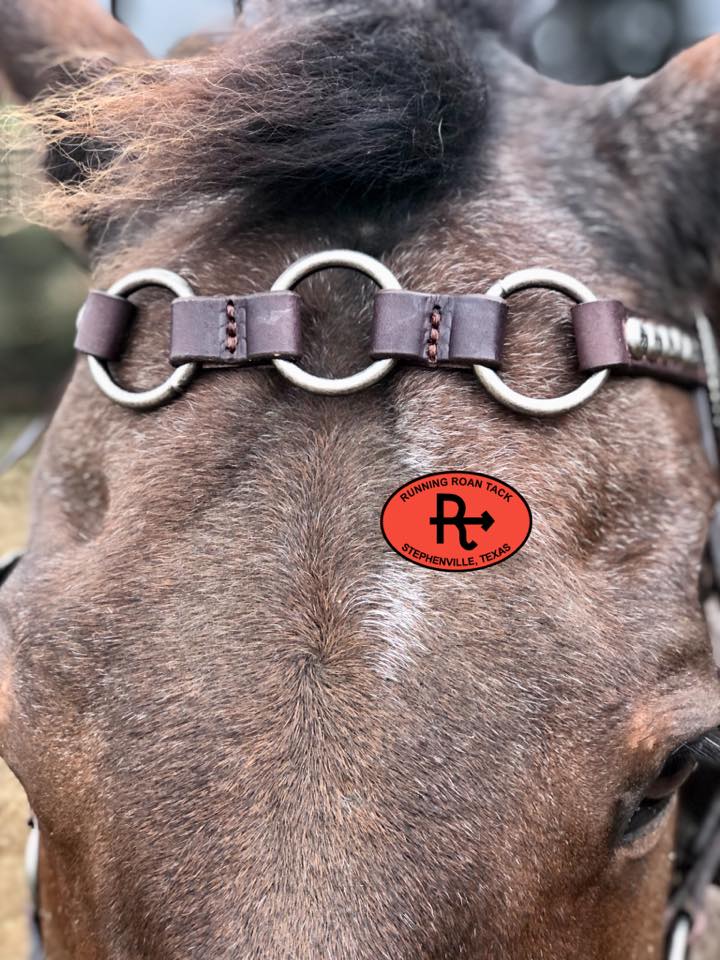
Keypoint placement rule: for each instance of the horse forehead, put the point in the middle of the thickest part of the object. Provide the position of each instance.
(279, 501)
(275, 498)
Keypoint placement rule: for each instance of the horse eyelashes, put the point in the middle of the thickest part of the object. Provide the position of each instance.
(706, 750)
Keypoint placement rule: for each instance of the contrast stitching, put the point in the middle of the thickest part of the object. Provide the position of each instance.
(231, 337)
(431, 350)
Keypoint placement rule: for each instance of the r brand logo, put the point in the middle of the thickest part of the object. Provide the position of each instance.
(456, 521)
(459, 520)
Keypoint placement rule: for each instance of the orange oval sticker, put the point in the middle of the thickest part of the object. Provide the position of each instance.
(456, 521)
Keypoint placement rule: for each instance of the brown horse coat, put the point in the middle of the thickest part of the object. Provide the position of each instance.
(250, 730)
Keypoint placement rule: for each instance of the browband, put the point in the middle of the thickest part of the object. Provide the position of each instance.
(431, 330)
(427, 329)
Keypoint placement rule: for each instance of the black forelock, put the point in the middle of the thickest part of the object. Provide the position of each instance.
(361, 104)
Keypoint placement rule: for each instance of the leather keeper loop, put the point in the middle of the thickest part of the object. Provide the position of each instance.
(236, 330)
(599, 328)
(438, 329)
(103, 324)
(602, 341)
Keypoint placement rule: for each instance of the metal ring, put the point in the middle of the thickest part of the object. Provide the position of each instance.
(496, 386)
(320, 261)
(179, 378)
(679, 939)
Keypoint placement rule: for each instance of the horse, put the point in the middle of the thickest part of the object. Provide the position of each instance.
(246, 727)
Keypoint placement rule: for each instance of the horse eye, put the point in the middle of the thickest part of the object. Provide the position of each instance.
(656, 799)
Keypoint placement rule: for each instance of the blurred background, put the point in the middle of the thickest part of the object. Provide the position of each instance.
(43, 280)
(591, 41)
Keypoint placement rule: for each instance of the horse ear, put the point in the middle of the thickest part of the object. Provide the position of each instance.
(39, 35)
(681, 101)
(659, 142)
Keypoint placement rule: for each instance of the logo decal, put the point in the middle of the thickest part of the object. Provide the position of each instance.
(456, 521)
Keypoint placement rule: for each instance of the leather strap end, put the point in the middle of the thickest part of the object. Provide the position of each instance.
(600, 334)
(606, 337)
(236, 330)
(103, 324)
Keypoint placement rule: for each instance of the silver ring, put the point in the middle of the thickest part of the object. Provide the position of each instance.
(496, 386)
(320, 261)
(679, 940)
(179, 378)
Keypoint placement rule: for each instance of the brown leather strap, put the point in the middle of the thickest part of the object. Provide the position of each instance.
(438, 329)
(431, 329)
(236, 330)
(607, 337)
(103, 324)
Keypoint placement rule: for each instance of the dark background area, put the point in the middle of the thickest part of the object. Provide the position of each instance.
(42, 278)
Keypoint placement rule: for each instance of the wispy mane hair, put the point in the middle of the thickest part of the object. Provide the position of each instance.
(350, 107)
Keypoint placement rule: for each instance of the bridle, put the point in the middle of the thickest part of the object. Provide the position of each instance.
(434, 331)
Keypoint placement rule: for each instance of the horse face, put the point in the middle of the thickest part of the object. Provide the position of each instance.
(246, 726)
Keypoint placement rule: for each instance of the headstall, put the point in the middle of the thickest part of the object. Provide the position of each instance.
(431, 330)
